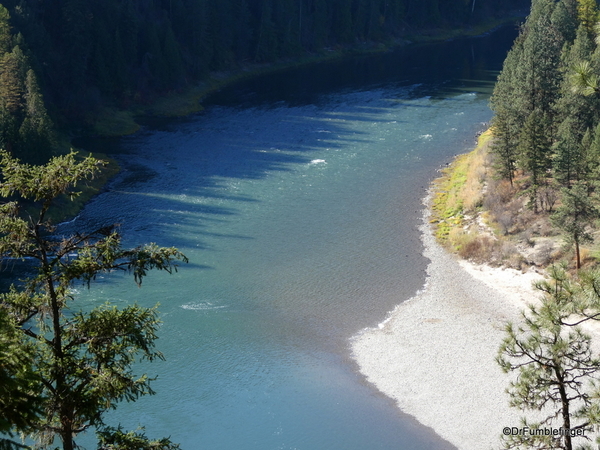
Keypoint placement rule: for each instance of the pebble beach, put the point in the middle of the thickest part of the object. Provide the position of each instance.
(435, 353)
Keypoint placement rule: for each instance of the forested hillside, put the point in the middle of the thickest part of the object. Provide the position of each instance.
(547, 152)
(547, 115)
(89, 54)
(540, 203)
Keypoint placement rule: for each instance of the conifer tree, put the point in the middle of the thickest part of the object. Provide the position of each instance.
(506, 102)
(565, 21)
(37, 131)
(504, 145)
(540, 62)
(569, 155)
(555, 367)
(12, 98)
(82, 356)
(534, 150)
(571, 104)
(588, 13)
(5, 32)
(20, 387)
(593, 153)
(575, 216)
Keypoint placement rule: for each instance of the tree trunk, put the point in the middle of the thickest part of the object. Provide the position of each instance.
(566, 415)
(66, 434)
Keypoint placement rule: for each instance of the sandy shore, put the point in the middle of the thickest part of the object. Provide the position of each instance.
(435, 354)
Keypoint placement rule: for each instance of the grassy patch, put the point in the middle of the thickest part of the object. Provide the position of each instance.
(459, 191)
(178, 104)
(115, 122)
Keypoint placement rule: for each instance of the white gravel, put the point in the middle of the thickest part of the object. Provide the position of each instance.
(435, 354)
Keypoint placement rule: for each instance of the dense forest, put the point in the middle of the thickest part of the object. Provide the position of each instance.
(80, 55)
(546, 106)
(547, 114)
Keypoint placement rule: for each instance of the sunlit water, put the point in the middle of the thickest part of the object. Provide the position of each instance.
(299, 215)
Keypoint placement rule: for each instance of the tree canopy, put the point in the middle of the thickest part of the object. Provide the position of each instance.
(87, 55)
(557, 371)
(546, 99)
(75, 361)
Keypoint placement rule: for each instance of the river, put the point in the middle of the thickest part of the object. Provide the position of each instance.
(296, 197)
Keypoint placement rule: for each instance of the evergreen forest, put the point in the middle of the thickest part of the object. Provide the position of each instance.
(547, 109)
(62, 62)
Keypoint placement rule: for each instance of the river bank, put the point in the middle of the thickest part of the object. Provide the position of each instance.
(115, 122)
(435, 353)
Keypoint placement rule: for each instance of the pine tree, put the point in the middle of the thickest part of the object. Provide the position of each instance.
(6, 41)
(575, 216)
(20, 386)
(567, 154)
(593, 153)
(506, 102)
(504, 145)
(37, 136)
(588, 14)
(540, 63)
(555, 367)
(84, 357)
(572, 104)
(534, 150)
(565, 21)
(13, 68)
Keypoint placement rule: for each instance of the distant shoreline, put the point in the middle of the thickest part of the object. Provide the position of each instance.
(114, 123)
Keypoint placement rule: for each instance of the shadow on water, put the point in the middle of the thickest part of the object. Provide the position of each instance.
(212, 155)
(188, 201)
(424, 64)
(440, 70)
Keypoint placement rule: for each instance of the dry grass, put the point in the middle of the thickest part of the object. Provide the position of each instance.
(459, 191)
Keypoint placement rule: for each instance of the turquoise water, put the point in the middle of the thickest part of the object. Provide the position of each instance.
(299, 215)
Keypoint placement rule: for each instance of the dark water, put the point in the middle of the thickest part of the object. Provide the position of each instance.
(296, 197)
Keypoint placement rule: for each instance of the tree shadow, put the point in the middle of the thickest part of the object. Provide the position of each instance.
(185, 180)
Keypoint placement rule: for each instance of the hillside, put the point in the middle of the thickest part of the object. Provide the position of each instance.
(528, 195)
(77, 64)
